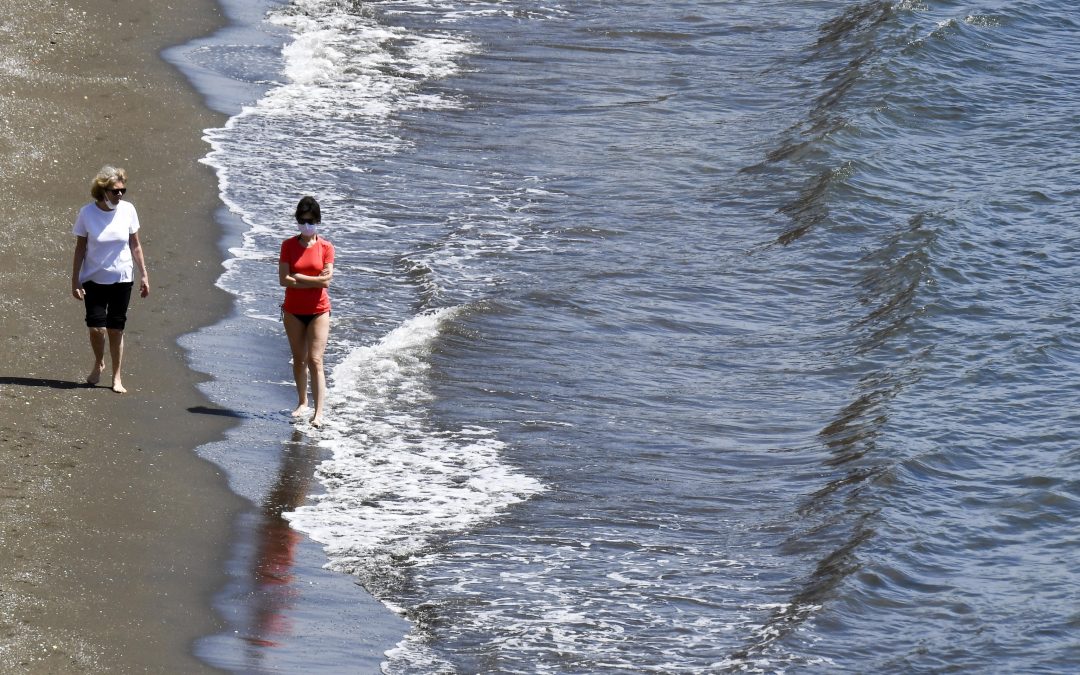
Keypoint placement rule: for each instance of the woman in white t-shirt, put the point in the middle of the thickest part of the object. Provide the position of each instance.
(102, 274)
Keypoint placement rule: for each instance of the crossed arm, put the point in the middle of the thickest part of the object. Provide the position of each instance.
(305, 280)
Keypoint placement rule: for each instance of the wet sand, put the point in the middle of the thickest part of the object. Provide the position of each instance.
(112, 530)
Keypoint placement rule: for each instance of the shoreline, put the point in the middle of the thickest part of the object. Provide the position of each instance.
(113, 531)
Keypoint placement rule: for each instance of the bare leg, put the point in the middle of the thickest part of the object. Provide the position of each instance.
(97, 343)
(297, 334)
(116, 351)
(317, 333)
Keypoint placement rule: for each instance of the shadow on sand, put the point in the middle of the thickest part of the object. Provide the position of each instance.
(220, 412)
(44, 382)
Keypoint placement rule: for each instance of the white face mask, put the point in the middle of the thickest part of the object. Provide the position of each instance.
(307, 229)
(108, 197)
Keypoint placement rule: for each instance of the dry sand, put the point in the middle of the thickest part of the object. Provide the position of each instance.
(111, 528)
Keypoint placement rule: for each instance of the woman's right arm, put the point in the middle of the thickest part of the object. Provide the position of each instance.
(296, 280)
(76, 267)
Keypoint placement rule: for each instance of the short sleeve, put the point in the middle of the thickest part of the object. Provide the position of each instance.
(328, 253)
(79, 229)
(133, 225)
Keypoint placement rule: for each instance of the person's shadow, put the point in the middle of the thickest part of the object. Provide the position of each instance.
(44, 382)
(220, 412)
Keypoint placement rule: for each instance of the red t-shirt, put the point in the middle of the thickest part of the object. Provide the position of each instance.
(310, 261)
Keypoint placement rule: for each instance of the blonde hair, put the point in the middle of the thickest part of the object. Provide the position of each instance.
(104, 178)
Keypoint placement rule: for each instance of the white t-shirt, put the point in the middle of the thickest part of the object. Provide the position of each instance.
(108, 256)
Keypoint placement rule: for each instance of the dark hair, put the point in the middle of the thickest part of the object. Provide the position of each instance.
(308, 207)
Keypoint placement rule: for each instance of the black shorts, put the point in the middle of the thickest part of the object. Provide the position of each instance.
(107, 304)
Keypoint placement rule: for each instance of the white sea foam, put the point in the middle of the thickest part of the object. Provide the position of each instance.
(344, 62)
(341, 66)
(394, 483)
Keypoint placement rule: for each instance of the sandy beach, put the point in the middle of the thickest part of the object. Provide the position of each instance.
(112, 530)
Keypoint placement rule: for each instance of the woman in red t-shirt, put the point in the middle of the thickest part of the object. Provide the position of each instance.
(305, 268)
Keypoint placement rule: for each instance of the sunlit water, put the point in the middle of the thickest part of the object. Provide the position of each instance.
(667, 337)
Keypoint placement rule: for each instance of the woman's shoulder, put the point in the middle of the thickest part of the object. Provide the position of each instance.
(292, 246)
(91, 213)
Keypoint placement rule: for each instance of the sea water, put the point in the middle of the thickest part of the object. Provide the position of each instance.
(683, 337)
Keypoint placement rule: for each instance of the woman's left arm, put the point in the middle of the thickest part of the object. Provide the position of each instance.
(140, 262)
(309, 281)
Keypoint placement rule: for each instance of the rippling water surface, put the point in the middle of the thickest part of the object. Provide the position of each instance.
(673, 337)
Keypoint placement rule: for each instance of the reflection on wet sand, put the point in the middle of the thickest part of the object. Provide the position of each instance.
(275, 545)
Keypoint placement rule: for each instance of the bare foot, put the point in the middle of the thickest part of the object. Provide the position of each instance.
(95, 375)
(118, 386)
(300, 410)
(316, 421)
